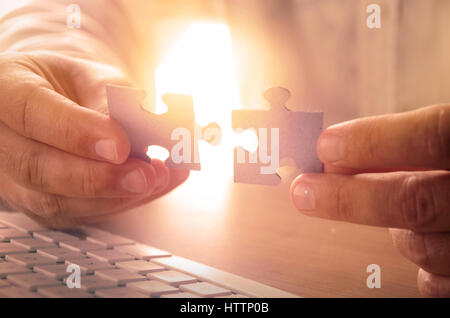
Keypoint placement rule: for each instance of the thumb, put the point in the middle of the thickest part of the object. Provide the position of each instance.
(84, 81)
(90, 83)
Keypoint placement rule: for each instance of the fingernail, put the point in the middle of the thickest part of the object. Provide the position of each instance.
(135, 182)
(331, 148)
(107, 149)
(303, 197)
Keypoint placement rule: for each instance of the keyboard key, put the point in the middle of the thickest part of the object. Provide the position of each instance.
(172, 277)
(153, 288)
(8, 248)
(55, 271)
(121, 292)
(180, 295)
(21, 222)
(17, 292)
(93, 282)
(82, 246)
(31, 259)
(110, 241)
(205, 289)
(64, 292)
(229, 281)
(104, 238)
(120, 276)
(90, 265)
(8, 234)
(7, 269)
(110, 256)
(142, 251)
(55, 236)
(61, 254)
(32, 244)
(140, 266)
(33, 281)
(4, 283)
(233, 296)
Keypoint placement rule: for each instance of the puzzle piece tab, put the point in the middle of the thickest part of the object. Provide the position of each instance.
(174, 130)
(281, 134)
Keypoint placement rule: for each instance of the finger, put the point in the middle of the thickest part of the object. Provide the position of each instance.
(57, 211)
(430, 251)
(419, 138)
(90, 83)
(60, 212)
(413, 200)
(33, 109)
(47, 169)
(431, 285)
(329, 168)
(177, 177)
(94, 211)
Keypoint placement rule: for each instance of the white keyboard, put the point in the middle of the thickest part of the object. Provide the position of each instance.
(34, 261)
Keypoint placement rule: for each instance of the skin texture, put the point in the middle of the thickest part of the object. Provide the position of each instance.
(63, 161)
(390, 171)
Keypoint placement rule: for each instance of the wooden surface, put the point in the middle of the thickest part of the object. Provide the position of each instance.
(253, 231)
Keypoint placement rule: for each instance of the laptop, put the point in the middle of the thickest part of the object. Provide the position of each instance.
(36, 262)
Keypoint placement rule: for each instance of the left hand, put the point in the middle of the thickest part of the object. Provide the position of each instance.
(63, 160)
(391, 171)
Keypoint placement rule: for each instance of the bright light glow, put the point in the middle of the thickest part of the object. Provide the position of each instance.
(201, 64)
(158, 152)
(246, 139)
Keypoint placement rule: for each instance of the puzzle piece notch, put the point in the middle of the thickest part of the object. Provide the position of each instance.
(277, 97)
(174, 130)
(285, 133)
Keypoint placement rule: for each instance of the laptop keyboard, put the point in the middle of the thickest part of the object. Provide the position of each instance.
(34, 260)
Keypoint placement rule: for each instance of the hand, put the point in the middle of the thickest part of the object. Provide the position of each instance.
(390, 171)
(63, 161)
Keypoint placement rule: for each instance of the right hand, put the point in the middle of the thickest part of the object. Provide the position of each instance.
(63, 161)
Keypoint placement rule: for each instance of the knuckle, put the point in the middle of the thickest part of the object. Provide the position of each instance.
(444, 131)
(438, 138)
(49, 206)
(89, 182)
(431, 285)
(28, 110)
(371, 141)
(67, 135)
(418, 209)
(29, 168)
(418, 249)
(344, 203)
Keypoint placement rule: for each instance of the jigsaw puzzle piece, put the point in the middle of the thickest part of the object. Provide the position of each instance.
(282, 134)
(174, 130)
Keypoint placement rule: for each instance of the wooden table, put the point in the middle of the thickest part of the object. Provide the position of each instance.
(253, 231)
